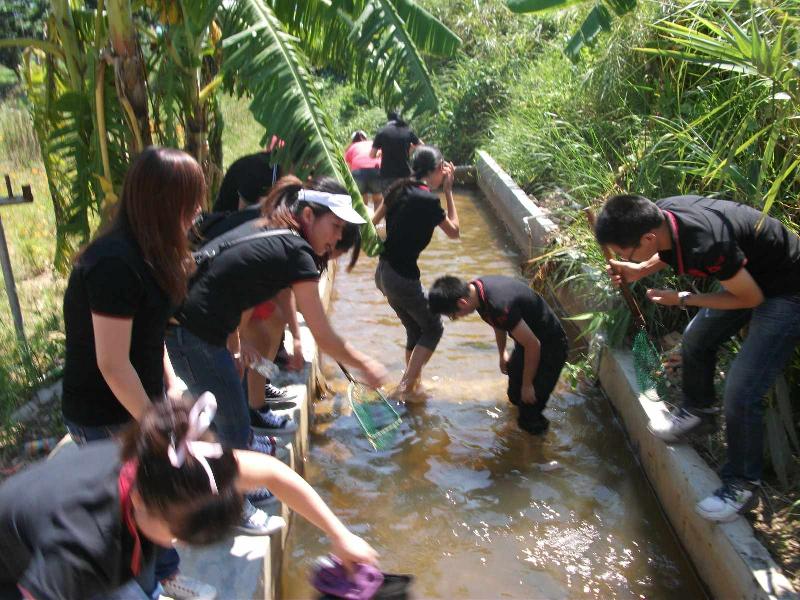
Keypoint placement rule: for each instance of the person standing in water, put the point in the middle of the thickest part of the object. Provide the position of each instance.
(513, 309)
(412, 213)
(365, 168)
(395, 141)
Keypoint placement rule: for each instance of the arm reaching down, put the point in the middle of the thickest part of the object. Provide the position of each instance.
(259, 470)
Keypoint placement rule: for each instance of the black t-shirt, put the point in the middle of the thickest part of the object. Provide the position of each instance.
(410, 222)
(242, 276)
(111, 279)
(215, 224)
(394, 141)
(62, 533)
(250, 176)
(716, 238)
(504, 301)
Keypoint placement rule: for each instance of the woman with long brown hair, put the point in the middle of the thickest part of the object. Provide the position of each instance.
(122, 290)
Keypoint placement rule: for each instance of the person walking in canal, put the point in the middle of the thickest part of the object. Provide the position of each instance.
(756, 261)
(395, 142)
(244, 268)
(513, 309)
(120, 294)
(115, 504)
(365, 168)
(412, 214)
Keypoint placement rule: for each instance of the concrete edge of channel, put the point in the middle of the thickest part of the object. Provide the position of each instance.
(728, 558)
(244, 566)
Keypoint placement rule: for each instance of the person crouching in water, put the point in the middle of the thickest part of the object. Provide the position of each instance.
(168, 482)
(512, 308)
(412, 213)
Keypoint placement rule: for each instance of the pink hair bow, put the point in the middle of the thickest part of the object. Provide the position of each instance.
(200, 418)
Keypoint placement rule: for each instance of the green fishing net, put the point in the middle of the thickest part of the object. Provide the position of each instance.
(377, 417)
(648, 365)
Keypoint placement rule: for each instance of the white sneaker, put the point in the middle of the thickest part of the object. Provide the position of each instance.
(674, 425)
(181, 587)
(256, 522)
(729, 501)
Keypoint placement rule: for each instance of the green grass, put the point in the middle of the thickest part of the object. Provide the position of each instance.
(30, 234)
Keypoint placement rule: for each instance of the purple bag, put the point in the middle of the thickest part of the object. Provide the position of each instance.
(331, 578)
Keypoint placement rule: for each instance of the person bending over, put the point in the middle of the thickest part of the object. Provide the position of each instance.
(512, 308)
(757, 263)
(169, 483)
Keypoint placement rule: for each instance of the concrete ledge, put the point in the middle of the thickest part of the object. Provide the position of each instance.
(250, 566)
(530, 227)
(728, 558)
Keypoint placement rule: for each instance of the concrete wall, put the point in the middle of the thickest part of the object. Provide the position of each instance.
(728, 558)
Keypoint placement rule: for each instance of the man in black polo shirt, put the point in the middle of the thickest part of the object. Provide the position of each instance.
(757, 262)
(512, 308)
(395, 141)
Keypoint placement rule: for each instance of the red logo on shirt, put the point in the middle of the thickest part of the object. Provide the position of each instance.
(711, 269)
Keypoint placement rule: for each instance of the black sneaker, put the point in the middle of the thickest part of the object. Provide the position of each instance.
(535, 426)
(275, 394)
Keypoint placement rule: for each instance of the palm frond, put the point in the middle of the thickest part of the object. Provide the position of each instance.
(263, 61)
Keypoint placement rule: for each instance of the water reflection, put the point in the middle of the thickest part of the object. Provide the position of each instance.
(465, 501)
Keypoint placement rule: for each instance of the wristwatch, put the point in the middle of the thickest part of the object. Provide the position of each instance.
(682, 296)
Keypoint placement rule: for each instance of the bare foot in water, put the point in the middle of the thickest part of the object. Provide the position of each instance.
(413, 393)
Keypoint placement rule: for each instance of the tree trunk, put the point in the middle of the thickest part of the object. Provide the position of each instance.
(129, 72)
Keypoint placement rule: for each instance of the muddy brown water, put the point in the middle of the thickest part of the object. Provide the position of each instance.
(463, 500)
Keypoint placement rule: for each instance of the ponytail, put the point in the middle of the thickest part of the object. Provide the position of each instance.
(425, 160)
(201, 506)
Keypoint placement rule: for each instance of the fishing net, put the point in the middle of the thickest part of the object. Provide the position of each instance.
(377, 417)
(647, 364)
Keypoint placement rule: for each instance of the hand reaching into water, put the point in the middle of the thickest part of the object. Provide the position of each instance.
(352, 550)
(374, 372)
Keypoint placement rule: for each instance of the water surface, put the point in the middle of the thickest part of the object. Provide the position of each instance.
(464, 501)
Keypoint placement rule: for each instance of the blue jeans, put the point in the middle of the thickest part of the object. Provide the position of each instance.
(772, 336)
(208, 368)
(167, 559)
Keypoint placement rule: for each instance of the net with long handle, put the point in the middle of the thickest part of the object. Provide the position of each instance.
(646, 357)
(378, 418)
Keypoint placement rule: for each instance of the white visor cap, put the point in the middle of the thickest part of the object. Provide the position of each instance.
(340, 204)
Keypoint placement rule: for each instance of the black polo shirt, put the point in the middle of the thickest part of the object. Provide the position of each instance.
(394, 142)
(242, 276)
(410, 222)
(62, 533)
(504, 301)
(111, 279)
(716, 238)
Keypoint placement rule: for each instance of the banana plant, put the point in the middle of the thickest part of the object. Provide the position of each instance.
(751, 139)
(115, 76)
(599, 19)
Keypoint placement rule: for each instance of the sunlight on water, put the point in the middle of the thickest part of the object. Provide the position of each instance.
(463, 500)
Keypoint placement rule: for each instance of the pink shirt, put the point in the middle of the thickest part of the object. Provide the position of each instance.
(357, 156)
